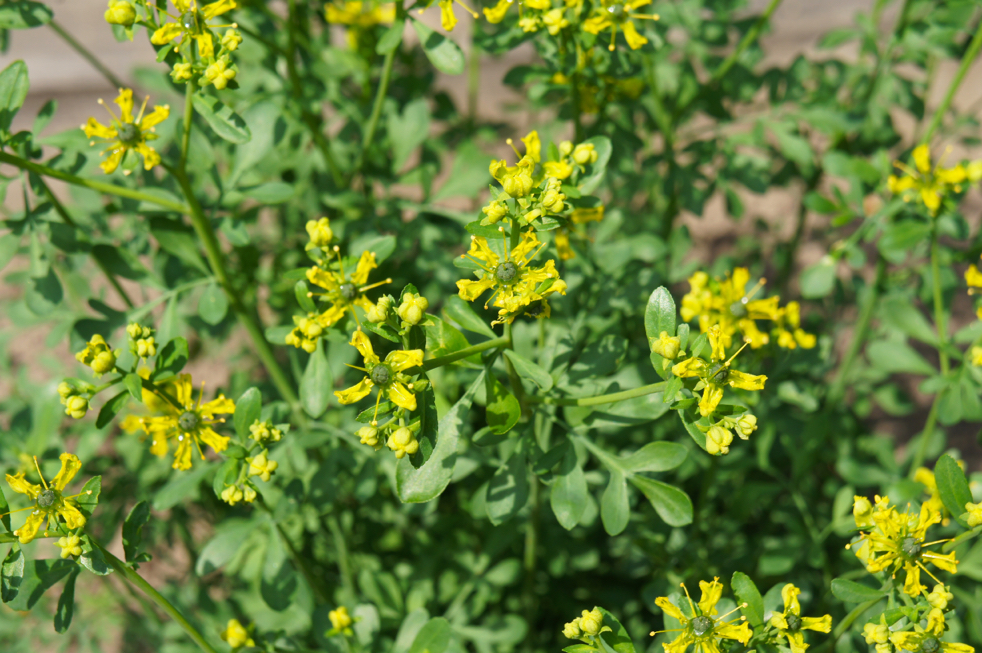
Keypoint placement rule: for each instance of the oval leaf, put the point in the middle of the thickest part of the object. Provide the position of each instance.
(445, 55)
(225, 122)
(852, 592)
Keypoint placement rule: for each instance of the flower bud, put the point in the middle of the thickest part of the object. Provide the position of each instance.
(181, 72)
(591, 622)
(495, 211)
(76, 406)
(134, 330)
(236, 635)
(939, 597)
(974, 511)
(402, 442)
(718, 440)
(320, 232)
(553, 201)
(248, 493)
(565, 148)
(264, 431)
(412, 309)
(146, 347)
(746, 425)
(340, 619)
(120, 12)
(66, 390)
(232, 495)
(667, 346)
(231, 40)
(369, 436)
(262, 466)
(862, 510)
(103, 363)
(572, 629)
(71, 545)
(219, 74)
(381, 311)
(585, 153)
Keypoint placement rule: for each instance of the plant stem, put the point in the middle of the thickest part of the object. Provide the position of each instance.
(137, 581)
(87, 55)
(837, 390)
(611, 398)
(932, 419)
(531, 558)
(67, 219)
(344, 567)
(440, 361)
(380, 94)
(745, 43)
(99, 186)
(967, 535)
(939, 310)
(298, 560)
(967, 60)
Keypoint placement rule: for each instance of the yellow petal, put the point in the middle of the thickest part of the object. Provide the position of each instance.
(497, 13)
(821, 624)
(778, 621)
(131, 423)
(471, 290)
(332, 315)
(712, 394)
(973, 277)
(596, 24)
(716, 336)
(125, 103)
(73, 516)
(155, 117)
(930, 198)
(403, 360)
(30, 528)
(533, 146)
(526, 246)
(689, 367)
(217, 8)
(922, 158)
(447, 18)
(95, 129)
(70, 464)
(182, 457)
(741, 632)
(19, 484)
(158, 445)
(797, 641)
(711, 593)
(946, 562)
(166, 34)
(206, 46)
(912, 584)
(112, 162)
(219, 406)
(480, 250)
(789, 593)
(954, 647)
(323, 278)
(365, 265)
(217, 442)
(401, 396)
(355, 392)
(361, 342)
(183, 388)
(746, 381)
(634, 39)
(669, 608)
(150, 157)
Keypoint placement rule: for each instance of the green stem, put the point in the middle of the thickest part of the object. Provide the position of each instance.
(188, 123)
(344, 567)
(745, 43)
(466, 352)
(929, 424)
(137, 581)
(967, 60)
(67, 219)
(380, 94)
(611, 398)
(964, 537)
(301, 563)
(99, 186)
(531, 558)
(87, 55)
(939, 309)
(137, 314)
(837, 391)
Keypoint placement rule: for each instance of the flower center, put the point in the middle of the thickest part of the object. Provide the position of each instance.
(911, 547)
(381, 374)
(47, 499)
(349, 291)
(129, 133)
(719, 373)
(506, 272)
(618, 11)
(794, 622)
(930, 645)
(738, 309)
(189, 21)
(701, 625)
(188, 421)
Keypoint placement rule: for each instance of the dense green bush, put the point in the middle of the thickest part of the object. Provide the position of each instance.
(452, 418)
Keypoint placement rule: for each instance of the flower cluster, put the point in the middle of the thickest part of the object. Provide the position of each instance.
(591, 17)
(50, 503)
(728, 304)
(929, 185)
(587, 627)
(387, 375)
(360, 17)
(127, 132)
(210, 62)
(702, 625)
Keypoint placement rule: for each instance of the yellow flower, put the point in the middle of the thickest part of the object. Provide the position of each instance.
(232, 495)
(320, 233)
(76, 407)
(572, 630)
(70, 546)
(192, 23)
(976, 355)
(236, 635)
(716, 374)
(516, 283)
(98, 356)
(344, 292)
(790, 335)
(403, 442)
(790, 623)
(127, 132)
(447, 18)
(924, 641)
(611, 14)
(381, 310)
(189, 422)
(49, 502)
(340, 621)
(939, 597)
(231, 40)
(369, 435)
(896, 542)
(922, 182)
(666, 346)
(387, 375)
(120, 12)
(517, 180)
(497, 13)
(262, 466)
(219, 74)
(862, 512)
(701, 627)
(359, 17)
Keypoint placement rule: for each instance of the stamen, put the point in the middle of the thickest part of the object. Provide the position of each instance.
(724, 616)
(753, 291)
(926, 571)
(645, 16)
(374, 285)
(143, 108)
(727, 363)
(377, 401)
(38, 467)
(667, 630)
(355, 367)
(511, 143)
(691, 604)
(613, 37)
(473, 13)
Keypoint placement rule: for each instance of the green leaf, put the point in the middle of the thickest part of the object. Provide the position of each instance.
(443, 338)
(568, 494)
(134, 385)
(672, 504)
(226, 475)
(275, 192)
(171, 359)
(659, 315)
(391, 39)
(302, 292)
(229, 537)
(615, 507)
(953, 487)
(316, 382)
(43, 295)
(66, 605)
(279, 581)
(461, 312)
(747, 592)
(36, 578)
(508, 490)
(408, 131)
(4, 511)
(9, 244)
(655, 457)
(247, 409)
(88, 498)
(180, 487)
(14, 85)
(24, 14)
(818, 280)
(213, 304)
(445, 55)
(617, 638)
(93, 559)
(689, 419)
(529, 370)
(604, 149)
(434, 637)
(429, 480)
(178, 239)
(897, 357)
(503, 410)
(225, 122)
(853, 592)
(111, 408)
(133, 532)
(11, 573)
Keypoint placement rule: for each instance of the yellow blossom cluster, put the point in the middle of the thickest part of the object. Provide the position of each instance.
(929, 185)
(190, 26)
